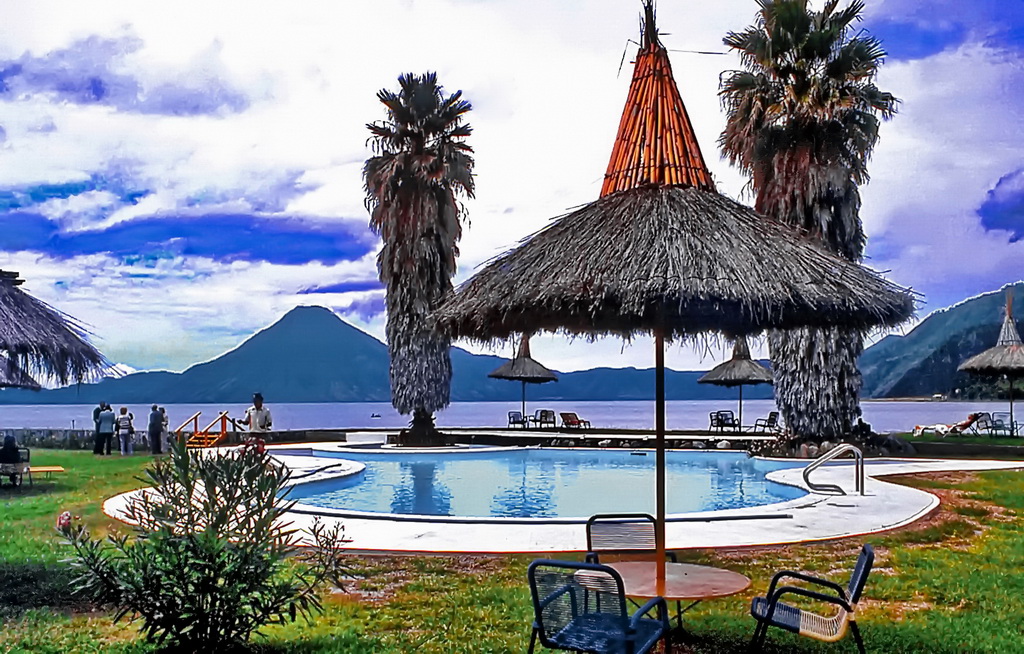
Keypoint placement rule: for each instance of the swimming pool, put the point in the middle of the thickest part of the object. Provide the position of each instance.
(543, 483)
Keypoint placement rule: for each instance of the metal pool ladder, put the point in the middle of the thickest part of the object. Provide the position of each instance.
(834, 454)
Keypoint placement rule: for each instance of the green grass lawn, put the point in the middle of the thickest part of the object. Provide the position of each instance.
(950, 584)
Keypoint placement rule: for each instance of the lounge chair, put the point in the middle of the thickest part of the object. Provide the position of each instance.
(581, 607)
(15, 462)
(1001, 425)
(766, 425)
(770, 612)
(723, 420)
(621, 534)
(542, 418)
(515, 418)
(573, 421)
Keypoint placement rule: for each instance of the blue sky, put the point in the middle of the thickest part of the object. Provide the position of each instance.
(179, 175)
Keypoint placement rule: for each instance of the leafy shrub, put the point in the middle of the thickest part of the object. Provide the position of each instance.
(206, 563)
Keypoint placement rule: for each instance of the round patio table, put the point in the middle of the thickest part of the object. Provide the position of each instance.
(683, 581)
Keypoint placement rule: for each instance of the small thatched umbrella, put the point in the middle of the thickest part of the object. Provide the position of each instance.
(662, 253)
(37, 338)
(1006, 358)
(524, 369)
(739, 371)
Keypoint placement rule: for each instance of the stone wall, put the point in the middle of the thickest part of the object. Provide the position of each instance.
(82, 439)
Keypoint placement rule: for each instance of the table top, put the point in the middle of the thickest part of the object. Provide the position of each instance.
(683, 581)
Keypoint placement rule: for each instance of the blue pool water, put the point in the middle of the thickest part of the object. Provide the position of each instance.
(538, 483)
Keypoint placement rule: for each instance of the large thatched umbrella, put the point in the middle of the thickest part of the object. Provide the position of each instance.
(739, 371)
(38, 339)
(11, 376)
(524, 369)
(663, 253)
(1006, 358)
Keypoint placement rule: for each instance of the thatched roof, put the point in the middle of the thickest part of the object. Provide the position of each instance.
(37, 338)
(523, 368)
(655, 143)
(684, 259)
(738, 370)
(662, 250)
(11, 376)
(1007, 357)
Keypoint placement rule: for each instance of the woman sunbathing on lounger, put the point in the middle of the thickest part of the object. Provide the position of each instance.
(943, 430)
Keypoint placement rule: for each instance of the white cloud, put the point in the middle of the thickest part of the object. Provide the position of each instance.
(543, 77)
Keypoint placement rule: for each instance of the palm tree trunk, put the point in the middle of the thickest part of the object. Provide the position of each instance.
(817, 383)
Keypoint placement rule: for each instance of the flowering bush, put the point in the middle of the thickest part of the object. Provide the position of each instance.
(205, 566)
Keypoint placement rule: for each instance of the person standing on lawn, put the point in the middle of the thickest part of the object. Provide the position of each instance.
(155, 430)
(104, 429)
(125, 431)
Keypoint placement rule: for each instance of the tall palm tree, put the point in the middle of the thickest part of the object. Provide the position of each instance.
(413, 183)
(803, 119)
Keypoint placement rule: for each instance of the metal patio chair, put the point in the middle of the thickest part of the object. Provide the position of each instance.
(516, 419)
(770, 612)
(581, 607)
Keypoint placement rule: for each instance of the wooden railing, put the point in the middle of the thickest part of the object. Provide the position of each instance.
(205, 437)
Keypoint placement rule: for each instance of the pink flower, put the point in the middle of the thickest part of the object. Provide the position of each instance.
(64, 521)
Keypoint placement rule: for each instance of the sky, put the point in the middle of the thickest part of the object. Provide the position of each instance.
(177, 176)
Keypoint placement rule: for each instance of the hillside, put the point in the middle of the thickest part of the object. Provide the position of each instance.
(924, 361)
(312, 355)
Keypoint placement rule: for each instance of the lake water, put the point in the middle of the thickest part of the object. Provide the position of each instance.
(680, 414)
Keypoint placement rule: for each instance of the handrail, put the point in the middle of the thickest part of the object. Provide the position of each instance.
(222, 418)
(193, 419)
(834, 454)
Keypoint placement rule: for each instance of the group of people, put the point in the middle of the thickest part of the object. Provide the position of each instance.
(121, 426)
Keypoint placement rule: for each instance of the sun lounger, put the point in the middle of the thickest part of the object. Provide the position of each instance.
(573, 421)
(543, 418)
(766, 425)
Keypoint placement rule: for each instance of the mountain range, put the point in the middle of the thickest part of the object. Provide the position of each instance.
(312, 355)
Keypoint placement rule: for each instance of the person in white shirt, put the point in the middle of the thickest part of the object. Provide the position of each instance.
(257, 417)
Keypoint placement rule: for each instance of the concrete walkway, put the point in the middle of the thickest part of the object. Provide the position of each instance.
(811, 518)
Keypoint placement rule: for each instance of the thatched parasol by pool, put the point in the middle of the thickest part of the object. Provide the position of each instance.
(739, 371)
(11, 376)
(1006, 358)
(663, 253)
(40, 340)
(524, 369)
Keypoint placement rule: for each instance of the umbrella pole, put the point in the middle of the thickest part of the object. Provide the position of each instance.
(740, 421)
(524, 400)
(1013, 425)
(659, 428)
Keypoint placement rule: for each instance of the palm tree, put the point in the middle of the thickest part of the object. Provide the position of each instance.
(413, 183)
(803, 119)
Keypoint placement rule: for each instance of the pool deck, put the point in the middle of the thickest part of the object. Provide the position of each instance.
(815, 517)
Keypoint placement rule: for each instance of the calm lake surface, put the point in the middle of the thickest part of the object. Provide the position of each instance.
(680, 414)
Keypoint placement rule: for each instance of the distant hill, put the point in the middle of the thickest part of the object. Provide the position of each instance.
(924, 361)
(312, 355)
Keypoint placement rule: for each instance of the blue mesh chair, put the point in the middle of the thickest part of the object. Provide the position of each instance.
(770, 612)
(581, 607)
